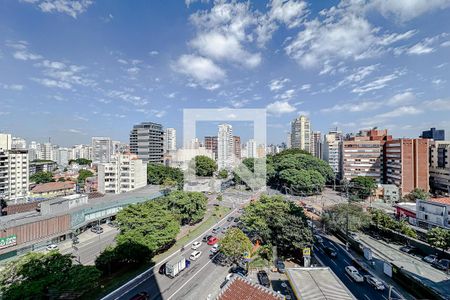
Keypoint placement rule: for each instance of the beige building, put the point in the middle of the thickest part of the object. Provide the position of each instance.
(301, 134)
(332, 151)
(14, 170)
(440, 167)
(124, 173)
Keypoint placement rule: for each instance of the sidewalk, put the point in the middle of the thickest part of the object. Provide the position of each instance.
(84, 237)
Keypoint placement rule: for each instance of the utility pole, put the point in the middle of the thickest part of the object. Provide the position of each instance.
(390, 292)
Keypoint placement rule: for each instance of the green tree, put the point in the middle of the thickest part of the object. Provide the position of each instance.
(83, 174)
(223, 174)
(43, 276)
(235, 244)
(303, 181)
(204, 166)
(61, 179)
(416, 194)
(158, 173)
(147, 224)
(81, 161)
(439, 238)
(42, 177)
(335, 217)
(169, 183)
(188, 207)
(362, 187)
(278, 222)
(405, 229)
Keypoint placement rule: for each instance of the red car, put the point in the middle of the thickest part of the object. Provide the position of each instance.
(212, 240)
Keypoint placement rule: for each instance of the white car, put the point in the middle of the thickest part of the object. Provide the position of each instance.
(195, 255)
(195, 245)
(375, 282)
(215, 248)
(52, 247)
(354, 274)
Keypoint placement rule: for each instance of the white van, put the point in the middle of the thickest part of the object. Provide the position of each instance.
(354, 274)
(195, 255)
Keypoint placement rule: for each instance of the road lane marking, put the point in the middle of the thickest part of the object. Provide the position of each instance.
(367, 297)
(156, 265)
(346, 261)
(184, 284)
(348, 277)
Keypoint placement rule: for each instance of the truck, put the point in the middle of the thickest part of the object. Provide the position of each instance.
(175, 266)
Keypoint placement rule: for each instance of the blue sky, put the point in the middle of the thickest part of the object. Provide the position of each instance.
(74, 69)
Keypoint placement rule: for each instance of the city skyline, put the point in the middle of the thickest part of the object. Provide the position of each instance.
(101, 69)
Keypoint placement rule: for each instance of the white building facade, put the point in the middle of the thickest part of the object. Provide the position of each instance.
(301, 134)
(225, 147)
(332, 151)
(101, 149)
(170, 139)
(124, 173)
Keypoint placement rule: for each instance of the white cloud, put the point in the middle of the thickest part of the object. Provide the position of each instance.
(445, 44)
(286, 95)
(127, 97)
(280, 107)
(133, 71)
(399, 112)
(25, 55)
(220, 47)
(277, 84)
(438, 81)
(63, 75)
(70, 7)
(438, 104)
(423, 47)
(153, 53)
(305, 87)
(377, 84)
(401, 99)
(353, 107)
(51, 83)
(199, 68)
(13, 87)
(291, 13)
(358, 74)
(406, 10)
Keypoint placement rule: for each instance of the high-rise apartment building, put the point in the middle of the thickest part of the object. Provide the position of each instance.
(288, 141)
(211, 144)
(251, 149)
(18, 143)
(124, 173)
(14, 170)
(407, 164)
(170, 139)
(147, 142)
(101, 149)
(80, 151)
(440, 167)
(237, 146)
(62, 156)
(332, 151)
(195, 144)
(225, 147)
(316, 144)
(363, 155)
(261, 151)
(34, 150)
(46, 151)
(301, 134)
(434, 134)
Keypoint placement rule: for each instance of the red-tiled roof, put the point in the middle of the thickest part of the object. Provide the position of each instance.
(440, 200)
(53, 187)
(241, 289)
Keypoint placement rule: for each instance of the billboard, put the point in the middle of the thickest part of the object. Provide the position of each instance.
(8, 241)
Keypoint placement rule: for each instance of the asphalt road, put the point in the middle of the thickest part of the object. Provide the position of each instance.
(196, 282)
(360, 290)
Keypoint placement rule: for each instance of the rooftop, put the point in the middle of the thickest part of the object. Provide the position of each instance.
(53, 187)
(242, 289)
(317, 284)
(445, 201)
(411, 206)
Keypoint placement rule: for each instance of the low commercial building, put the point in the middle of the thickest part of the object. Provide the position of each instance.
(242, 288)
(433, 212)
(61, 218)
(406, 211)
(317, 284)
(440, 167)
(53, 189)
(42, 166)
(124, 173)
(181, 157)
(389, 193)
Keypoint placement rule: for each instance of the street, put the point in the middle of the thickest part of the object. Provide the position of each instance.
(360, 290)
(191, 283)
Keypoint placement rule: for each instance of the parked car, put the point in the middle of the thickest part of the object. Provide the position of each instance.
(430, 258)
(221, 260)
(442, 264)
(141, 296)
(216, 230)
(51, 247)
(206, 238)
(280, 265)
(195, 245)
(97, 229)
(75, 240)
(195, 255)
(331, 252)
(263, 278)
(224, 229)
(162, 269)
(238, 270)
(354, 235)
(213, 240)
(236, 220)
(409, 249)
(354, 274)
(113, 224)
(215, 248)
(318, 238)
(230, 219)
(375, 282)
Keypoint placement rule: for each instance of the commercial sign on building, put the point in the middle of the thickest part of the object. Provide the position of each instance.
(8, 241)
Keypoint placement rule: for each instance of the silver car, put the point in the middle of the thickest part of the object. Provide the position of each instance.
(375, 282)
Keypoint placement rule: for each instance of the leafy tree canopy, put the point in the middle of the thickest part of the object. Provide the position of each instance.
(362, 187)
(278, 222)
(235, 243)
(158, 173)
(188, 207)
(204, 166)
(223, 174)
(439, 238)
(416, 194)
(335, 217)
(80, 161)
(83, 174)
(42, 177)
(147, 224)
(43, 276)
